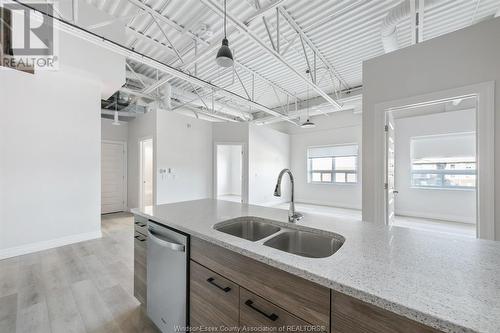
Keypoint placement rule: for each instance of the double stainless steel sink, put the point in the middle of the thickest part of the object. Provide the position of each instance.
(299, 242)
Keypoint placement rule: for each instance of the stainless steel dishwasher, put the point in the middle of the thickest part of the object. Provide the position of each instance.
(167, 274)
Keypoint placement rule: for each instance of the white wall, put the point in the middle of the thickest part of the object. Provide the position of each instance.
(337, 128)
(113, 132)
(269, 153)
(183, 145)
(444, 204)
(229, 170)
(50, 160)
(461, 58)
(143, 126)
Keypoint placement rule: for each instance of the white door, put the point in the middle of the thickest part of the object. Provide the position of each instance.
(390, 169)
(112, 177)
(146, 170)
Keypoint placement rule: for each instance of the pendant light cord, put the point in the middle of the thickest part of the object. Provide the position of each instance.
(225, 19)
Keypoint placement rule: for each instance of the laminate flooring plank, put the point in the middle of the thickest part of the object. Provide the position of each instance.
(9, 273)
(63, 312)
(33, 318)
(96, 316)
(8, 313)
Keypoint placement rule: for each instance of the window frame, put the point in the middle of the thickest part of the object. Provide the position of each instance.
(333, 172)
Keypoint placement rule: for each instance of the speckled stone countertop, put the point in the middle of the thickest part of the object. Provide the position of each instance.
(450, 283)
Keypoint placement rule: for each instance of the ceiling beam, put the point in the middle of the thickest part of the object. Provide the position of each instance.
(245, 30)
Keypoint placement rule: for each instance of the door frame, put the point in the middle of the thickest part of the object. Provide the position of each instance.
(485, 150)
(244, 168)
(140, 140)
(125, 172)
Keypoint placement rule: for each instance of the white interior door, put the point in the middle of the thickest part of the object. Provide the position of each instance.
(390, 169)
(146, 177)
(112, 177)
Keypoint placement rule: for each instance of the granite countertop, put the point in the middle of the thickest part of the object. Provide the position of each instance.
(450, 283)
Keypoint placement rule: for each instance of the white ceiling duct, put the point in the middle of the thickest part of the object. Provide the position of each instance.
(167, 97)
(393, 18)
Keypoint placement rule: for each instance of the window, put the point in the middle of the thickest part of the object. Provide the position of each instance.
(335, 164)
(444, 161)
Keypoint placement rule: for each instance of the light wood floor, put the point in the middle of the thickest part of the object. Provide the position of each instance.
(83, 287)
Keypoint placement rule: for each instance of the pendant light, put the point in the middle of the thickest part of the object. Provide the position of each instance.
(308, 123)
(224, 55)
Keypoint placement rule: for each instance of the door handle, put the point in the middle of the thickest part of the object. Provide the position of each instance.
(272, 316)
(167, 244)
(395, 192)
(224, 289)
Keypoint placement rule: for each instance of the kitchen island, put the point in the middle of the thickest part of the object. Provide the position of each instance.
(446, 283)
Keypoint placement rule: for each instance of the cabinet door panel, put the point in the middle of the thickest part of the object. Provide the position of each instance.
(350, 315)
(214, 300)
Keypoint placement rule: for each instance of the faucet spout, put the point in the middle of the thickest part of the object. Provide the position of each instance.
(293, 216)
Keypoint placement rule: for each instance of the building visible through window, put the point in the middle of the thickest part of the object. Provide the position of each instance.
(444, 161)
(333, 164)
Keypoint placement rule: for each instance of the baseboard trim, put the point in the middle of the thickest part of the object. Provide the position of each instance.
(49, 244)
(449, 218)
(328, 204)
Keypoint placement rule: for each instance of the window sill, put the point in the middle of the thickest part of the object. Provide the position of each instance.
(443, 188)
(333, 183)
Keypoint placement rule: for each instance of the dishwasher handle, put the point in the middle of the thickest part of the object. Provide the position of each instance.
(167, 244)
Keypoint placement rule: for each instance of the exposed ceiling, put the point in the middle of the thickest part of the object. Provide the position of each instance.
(342, 34)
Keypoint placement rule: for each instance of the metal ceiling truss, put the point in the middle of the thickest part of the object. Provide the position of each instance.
(212, 47)
(152, 63)
(305, 39)
(245, 30)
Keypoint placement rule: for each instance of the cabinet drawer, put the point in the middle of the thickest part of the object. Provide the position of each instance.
(141, 225)
(214, 300)
(302, 298)
(259, 315)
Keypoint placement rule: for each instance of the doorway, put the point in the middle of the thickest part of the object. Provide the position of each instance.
(431, 166)
(146, 167)
(229, 172)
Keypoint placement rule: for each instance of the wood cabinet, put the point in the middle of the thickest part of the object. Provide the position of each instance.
(350, 315)
(140, 259)
(300, 297)
(214, 300)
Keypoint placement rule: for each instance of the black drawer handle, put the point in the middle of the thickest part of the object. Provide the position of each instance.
(140, 240)
(224, 289)
(272, 316)
(139, 224)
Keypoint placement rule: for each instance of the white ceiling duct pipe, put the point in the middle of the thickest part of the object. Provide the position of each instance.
(393, 18)
(193, 99)
(167, 97)
(497, 14)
